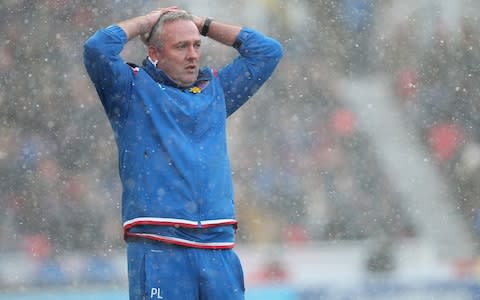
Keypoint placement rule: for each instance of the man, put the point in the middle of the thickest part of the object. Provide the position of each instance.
(169, 119)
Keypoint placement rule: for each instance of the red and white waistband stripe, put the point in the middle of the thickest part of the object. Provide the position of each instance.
(219, 222)
(182, 242)
(177, 222)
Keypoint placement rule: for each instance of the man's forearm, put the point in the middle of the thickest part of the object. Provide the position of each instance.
(135, 26)
(218, 31)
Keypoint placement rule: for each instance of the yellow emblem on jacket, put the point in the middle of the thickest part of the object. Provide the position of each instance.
(195, 90)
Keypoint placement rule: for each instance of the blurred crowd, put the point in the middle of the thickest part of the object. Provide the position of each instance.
(437, 85)
(58, 172)
(303, 170)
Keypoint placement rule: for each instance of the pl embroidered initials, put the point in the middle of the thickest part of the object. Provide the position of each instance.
(155, 293)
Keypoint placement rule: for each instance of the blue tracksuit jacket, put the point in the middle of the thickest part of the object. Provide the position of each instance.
(171, 141)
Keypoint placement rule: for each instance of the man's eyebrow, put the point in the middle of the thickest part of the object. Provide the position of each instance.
(188, 42)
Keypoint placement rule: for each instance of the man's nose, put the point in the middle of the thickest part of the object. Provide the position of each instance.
(193, 52)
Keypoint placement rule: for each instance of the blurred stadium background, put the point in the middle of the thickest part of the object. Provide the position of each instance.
(356, 167)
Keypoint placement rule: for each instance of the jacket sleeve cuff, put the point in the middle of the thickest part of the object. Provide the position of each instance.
(116, 31)
(241, 38)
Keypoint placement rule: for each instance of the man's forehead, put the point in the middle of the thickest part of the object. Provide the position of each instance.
(180, 30)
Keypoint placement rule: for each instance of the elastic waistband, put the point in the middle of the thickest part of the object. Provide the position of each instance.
(156, 238)
(208, 234)
(177, 222)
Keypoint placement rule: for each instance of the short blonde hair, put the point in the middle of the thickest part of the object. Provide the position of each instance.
(154, 38)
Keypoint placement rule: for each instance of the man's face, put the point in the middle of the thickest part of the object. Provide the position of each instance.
(179, 56)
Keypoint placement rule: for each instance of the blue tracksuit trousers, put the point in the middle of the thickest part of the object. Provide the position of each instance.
(169, 272)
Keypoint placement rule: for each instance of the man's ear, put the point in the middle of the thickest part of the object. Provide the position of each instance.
(153, 53)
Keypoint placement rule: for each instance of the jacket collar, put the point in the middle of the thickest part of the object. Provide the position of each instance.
(162, 78)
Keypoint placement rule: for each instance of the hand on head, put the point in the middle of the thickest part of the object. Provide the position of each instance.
(153, 17)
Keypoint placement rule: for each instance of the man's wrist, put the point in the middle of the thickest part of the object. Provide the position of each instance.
(198, 22)
(206, 26)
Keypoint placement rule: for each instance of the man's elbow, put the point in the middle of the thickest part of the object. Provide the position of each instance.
(275, 54)
(277, 49)
(90, 46)
(92, 52)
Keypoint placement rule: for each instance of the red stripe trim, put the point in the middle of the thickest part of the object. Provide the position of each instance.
(181, 242)
(159, 223)
(208, 225)
(177, 222)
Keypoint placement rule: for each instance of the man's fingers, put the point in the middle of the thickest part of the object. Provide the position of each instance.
(155, 16)
(164, 10)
